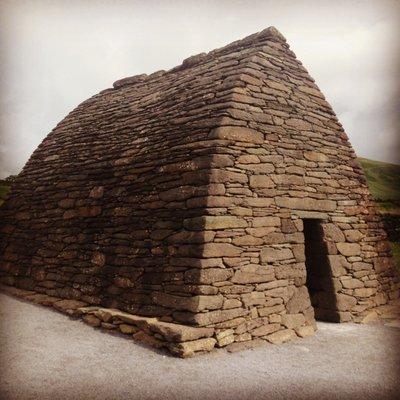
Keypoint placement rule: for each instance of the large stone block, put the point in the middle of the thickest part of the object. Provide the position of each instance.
(210, 250)
(299, 124)
(338, 265)
(210, 222)
(306, 203)
(364, 292)
(261, 181)
(299, 302)
(247, 240)
(333, 232)
(210, 318)
(237, 133)
(253, 274)
(345, 302)
(265, 329)
(353, 235)
(265, 222)
(209, 275)
(202, 303)
(281, 336)
(293, 321)
(316, 156)
(191, 303)
(188, 349)
(272, 254)
(351, 283)
(349, 249)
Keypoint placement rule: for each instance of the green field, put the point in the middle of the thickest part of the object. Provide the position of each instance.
(384, 183)
(3, 193)
(383, 180)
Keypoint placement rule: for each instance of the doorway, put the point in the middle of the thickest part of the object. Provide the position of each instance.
(319, 278)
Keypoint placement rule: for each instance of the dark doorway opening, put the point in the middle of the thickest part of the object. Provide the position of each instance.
(319, 278)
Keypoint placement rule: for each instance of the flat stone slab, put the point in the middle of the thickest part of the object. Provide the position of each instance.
(68, 306)
(179, 333)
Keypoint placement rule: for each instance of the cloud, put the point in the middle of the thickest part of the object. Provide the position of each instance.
(57, 54)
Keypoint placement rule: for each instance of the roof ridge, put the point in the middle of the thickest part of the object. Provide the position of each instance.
(270, 33)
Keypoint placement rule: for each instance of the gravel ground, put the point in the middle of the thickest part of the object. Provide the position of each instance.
(46, 355)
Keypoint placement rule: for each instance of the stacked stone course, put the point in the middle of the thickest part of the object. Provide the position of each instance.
(183, 195)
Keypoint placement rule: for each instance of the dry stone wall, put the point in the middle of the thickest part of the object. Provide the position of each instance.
(183, 195)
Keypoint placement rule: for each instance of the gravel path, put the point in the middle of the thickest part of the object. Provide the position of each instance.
(46, 355)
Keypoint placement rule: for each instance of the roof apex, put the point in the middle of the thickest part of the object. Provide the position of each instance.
(268, 33)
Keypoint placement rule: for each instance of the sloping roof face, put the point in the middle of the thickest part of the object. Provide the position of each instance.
(180, 194)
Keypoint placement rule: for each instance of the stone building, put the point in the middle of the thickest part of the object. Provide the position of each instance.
(223, 193)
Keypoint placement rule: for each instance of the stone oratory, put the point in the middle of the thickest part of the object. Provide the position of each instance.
(216, 203)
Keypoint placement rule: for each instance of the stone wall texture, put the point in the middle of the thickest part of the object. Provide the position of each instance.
(184, 195)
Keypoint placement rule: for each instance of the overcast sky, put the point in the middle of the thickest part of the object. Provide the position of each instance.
(55, 54)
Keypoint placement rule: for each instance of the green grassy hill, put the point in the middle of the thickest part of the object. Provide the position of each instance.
(383, 179)
(4, 189)
(384, 183)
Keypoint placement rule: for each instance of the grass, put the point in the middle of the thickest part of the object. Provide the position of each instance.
(4, 190)
(383, 179)
(396, 251)
(384, 183)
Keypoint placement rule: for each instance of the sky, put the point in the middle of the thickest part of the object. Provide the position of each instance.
(56, 53)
